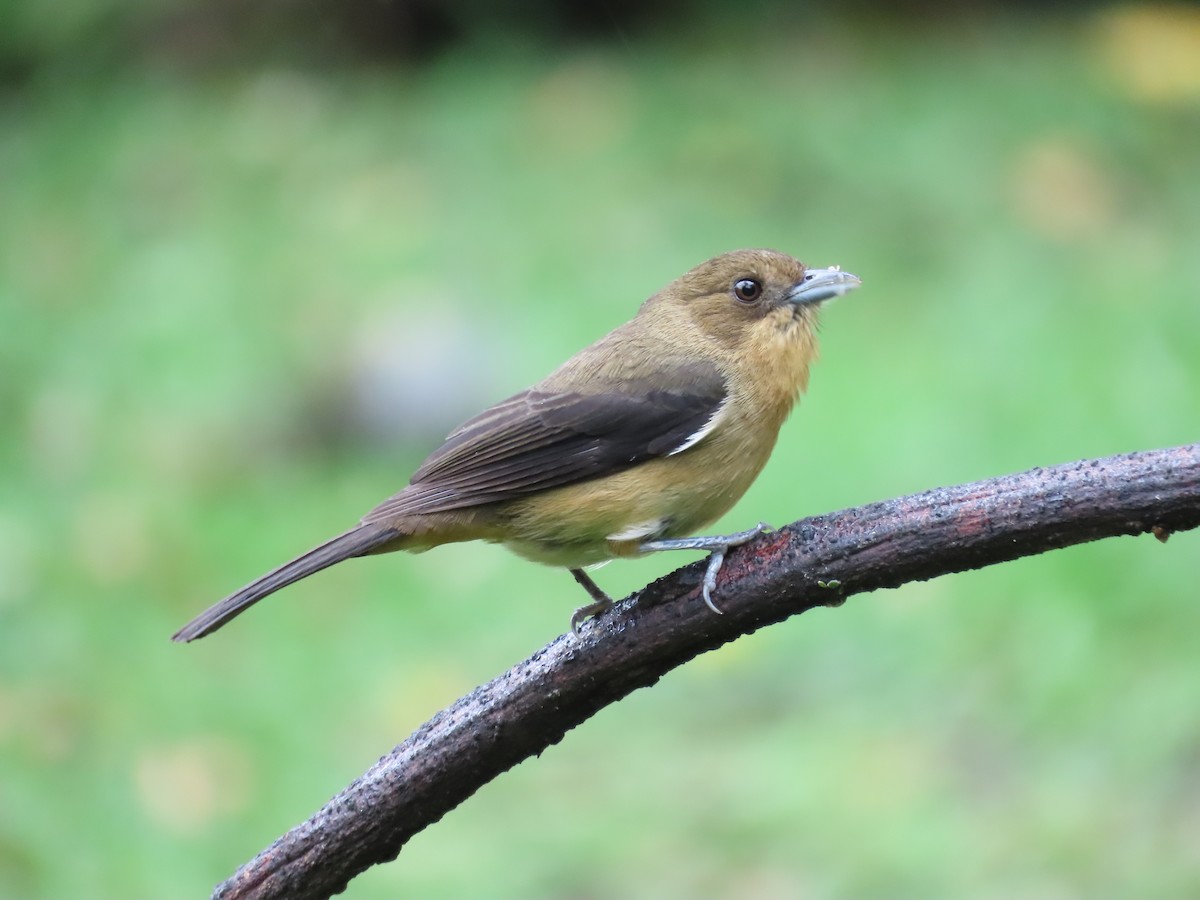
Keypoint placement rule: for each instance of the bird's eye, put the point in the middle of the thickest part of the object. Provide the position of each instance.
(747, 290)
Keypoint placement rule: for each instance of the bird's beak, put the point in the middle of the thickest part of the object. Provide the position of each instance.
(820, 285)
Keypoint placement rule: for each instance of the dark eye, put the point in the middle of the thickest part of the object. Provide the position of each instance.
(747, 290)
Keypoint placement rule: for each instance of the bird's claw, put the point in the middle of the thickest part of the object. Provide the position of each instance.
(710, 579)
(717, 559)
(601, 602)
(584, 613)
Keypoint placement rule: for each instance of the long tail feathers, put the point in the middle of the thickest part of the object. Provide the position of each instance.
(356, 542)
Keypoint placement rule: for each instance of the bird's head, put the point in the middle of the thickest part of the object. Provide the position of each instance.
(752, 296)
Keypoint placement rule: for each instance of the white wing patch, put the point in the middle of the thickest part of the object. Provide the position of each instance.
(638, 532)
(705, 430)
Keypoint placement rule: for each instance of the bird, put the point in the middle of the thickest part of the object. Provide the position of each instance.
(632, 446)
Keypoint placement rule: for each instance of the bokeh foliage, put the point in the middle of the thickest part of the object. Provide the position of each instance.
(238, 304)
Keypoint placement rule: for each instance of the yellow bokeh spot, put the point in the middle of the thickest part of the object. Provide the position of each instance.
(1153, 51)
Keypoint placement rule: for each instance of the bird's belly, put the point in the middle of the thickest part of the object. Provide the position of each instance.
(576, 555)
(588, 523)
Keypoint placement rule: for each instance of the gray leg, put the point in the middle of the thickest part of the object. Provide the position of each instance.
(719, 544)
(601, 602)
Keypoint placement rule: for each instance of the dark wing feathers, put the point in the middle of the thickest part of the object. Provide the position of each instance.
(541, 439)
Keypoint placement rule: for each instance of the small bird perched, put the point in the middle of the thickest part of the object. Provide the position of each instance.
(646, 436)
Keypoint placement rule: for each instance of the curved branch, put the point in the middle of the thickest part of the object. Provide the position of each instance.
(814, 562)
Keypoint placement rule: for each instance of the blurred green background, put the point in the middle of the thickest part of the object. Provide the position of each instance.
(254, 263)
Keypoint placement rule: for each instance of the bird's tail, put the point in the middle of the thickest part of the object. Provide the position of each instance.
(358, 541)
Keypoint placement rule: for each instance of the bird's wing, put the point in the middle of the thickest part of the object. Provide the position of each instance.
(541, 438)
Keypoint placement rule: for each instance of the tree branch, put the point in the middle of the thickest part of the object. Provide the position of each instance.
(814, 562)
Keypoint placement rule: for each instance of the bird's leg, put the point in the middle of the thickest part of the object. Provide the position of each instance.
(719, 544)
(601, 602)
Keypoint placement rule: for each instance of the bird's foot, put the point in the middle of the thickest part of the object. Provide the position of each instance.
(584, 613)
(601, 602)
(718, 544)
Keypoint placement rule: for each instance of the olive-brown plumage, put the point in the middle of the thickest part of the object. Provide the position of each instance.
(636, 442)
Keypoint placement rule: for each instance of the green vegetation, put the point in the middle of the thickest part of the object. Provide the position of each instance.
(197, 271)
